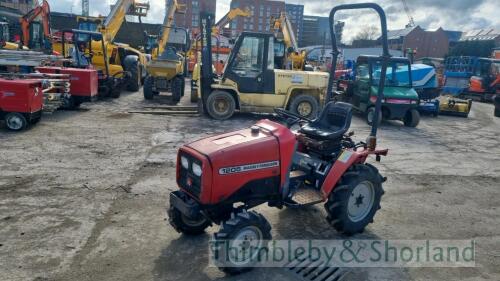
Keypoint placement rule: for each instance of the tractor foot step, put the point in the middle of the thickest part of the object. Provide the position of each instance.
(305, 196)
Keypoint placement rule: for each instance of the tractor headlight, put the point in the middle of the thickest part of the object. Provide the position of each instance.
(184, 162)
(197, 169)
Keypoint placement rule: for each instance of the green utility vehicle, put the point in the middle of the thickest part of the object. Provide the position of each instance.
(400, 99)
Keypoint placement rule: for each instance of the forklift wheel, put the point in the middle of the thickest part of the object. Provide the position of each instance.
(245, 232)
(412, 118)
(15, 121)
(220, 105)
(305, 106)
(352, 205)
(185, 225)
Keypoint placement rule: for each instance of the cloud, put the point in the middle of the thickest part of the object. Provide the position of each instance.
(449, 14)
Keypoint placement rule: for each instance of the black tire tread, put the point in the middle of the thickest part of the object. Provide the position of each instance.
(336, 207)
(235, 223)
(175, 220)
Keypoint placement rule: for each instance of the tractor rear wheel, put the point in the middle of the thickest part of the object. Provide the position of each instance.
(305, 106)
(353, 203)
(148, 88)
(239, 241)
(220, 105)
(177, 89)
(15, 121)
(186, 225)
(412, 118)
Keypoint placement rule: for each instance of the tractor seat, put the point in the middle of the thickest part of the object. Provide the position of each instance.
(332, 124)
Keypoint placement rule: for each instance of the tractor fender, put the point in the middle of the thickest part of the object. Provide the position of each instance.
(347, 159)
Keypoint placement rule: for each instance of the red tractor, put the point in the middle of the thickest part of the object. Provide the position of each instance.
(222, 177)
(21, 102)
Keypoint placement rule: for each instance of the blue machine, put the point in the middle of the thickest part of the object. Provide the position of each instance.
(426, 84)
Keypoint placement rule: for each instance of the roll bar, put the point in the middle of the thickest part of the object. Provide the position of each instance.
(372, 139)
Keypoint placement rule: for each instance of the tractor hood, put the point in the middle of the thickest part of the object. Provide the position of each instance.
(396, 93)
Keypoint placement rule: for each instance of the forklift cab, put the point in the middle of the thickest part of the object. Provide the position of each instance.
(251, 64)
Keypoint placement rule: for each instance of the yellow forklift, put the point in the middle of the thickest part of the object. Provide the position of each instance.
(258, 76)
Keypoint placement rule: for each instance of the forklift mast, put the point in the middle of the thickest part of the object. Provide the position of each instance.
(206, 75)
(385, 57)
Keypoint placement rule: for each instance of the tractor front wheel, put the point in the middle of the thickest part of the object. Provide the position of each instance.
(240, 241)
(15, 121)
(412, 118)
(186, 225)
(220, 105)
(352, 204)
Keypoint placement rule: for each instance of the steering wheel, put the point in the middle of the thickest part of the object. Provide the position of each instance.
(289, 117)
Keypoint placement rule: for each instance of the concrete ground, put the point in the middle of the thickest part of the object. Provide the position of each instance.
(83, 196)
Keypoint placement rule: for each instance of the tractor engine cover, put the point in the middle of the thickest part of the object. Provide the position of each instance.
(243, 163)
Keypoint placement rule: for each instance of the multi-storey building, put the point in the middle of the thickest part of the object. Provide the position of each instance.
(296, 15)
(316, 31)
(259, 20)
(191, 18)
(23, 6)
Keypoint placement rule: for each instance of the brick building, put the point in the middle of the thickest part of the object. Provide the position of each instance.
(426, 43)
(22, 6)
(261, 11)
(191, 18)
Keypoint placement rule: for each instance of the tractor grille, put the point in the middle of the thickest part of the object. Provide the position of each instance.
(187, 179)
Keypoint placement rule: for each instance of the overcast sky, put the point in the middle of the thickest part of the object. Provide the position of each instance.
(450, 14)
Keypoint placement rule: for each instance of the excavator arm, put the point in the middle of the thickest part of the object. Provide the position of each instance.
(116, 17)
(283, 30)
(227, 18)
(172, 7)
(42, 10)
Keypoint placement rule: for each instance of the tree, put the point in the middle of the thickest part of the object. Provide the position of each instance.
(369, 32)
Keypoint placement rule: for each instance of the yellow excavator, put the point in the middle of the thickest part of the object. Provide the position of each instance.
(283, 31)
(167, 69)
(122, 58)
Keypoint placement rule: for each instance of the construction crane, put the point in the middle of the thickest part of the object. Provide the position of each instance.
(283, 30)
(411, 22)
(31, 27)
